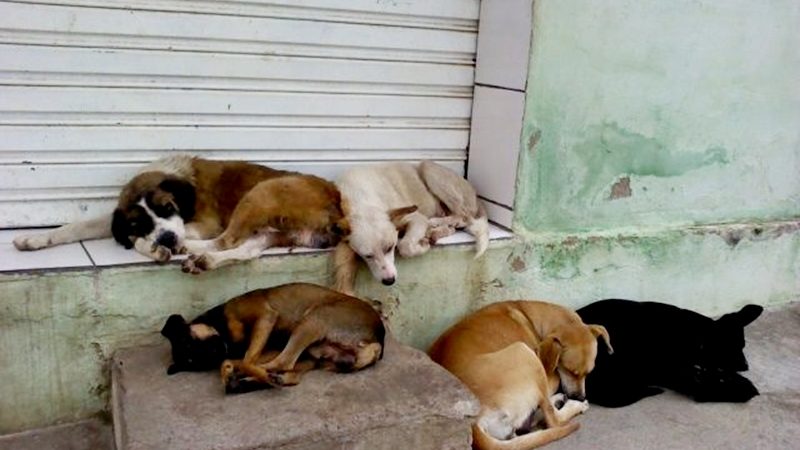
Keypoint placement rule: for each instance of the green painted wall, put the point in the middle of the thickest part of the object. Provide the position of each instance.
(651, 113)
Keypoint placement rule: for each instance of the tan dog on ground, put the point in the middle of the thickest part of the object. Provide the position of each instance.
(514, 355)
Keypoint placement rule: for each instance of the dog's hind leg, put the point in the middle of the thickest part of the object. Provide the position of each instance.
(97, 228)
(307, 332)
(259, 335)
(415, 241)
(460, 198)
(249, 249)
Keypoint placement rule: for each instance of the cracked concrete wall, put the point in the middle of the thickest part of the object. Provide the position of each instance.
(660, 155)
(644, 113)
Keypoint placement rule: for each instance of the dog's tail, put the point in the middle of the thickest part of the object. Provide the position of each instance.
(460, 198)
(483, 441)
(479, 227)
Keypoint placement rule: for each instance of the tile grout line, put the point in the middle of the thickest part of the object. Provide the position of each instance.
(495, 203)
(88, 255)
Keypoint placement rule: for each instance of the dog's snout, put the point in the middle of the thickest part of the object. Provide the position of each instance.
(577, 396)
(167, 239)
(388, 281)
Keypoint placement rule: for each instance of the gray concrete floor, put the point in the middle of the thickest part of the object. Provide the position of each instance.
(667, 421)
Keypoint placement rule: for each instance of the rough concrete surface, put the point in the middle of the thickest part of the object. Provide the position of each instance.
(90, 434)
(405, 398)
(670, 421)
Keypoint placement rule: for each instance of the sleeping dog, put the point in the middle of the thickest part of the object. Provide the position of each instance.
(513, 356)
(404, 207)
(340, 332)
(220, 211)
(662, 346)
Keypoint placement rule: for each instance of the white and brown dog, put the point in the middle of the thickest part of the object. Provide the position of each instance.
(513, 356)
(406, 207)
(219, 211)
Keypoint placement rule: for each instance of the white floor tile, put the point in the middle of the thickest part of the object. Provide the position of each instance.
(62, 256)
(106, 252)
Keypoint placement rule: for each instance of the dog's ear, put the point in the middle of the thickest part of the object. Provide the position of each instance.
(120, 229)
(184, 194)
(550, 353)
(341, 227)
(743, 317)
(396, 215)
(174, 326)
(598, 331)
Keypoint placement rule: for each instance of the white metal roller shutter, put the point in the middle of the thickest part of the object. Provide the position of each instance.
(92, 89)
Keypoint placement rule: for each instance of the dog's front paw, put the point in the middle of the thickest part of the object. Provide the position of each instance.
(194, 264)
(32, 242)
(226, 371)
(279, 379)
(575, 407)
(409, 249)
(160, 253)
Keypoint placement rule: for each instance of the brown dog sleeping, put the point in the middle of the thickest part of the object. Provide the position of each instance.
(331, 329)
(514, 355)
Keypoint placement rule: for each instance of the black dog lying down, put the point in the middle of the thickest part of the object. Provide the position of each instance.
(662, 346)
(310, 325)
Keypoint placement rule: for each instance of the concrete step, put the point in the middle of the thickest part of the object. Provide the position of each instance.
(404, 401)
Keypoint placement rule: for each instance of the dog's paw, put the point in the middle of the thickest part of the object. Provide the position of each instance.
(226, 371)
(280, 379)
(575, 407)
(241, 384)
(558, 400)
(190, 265)
(408, 249)
(160, 253)
(32, 242)
(439, 232)
(195, 264)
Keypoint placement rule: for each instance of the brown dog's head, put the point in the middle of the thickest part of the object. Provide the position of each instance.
(154, 206)
(570, 350)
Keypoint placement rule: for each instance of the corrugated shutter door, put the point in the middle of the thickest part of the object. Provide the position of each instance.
(92, 89)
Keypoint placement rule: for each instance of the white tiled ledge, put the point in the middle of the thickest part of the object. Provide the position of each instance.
(106, 252)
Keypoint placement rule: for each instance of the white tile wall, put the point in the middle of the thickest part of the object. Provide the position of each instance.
(494, 145)
(503, 43)
(497, 111)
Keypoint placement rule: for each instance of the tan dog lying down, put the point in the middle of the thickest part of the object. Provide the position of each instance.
(422, 202)
(513, 356)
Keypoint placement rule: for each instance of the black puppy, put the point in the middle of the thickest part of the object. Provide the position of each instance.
(662, 346)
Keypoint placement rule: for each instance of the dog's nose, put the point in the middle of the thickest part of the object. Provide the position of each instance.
(167, 239)
(388, 281)
(577, 396)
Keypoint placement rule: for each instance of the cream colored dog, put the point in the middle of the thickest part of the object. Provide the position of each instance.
(424, 202)
(514, 355)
